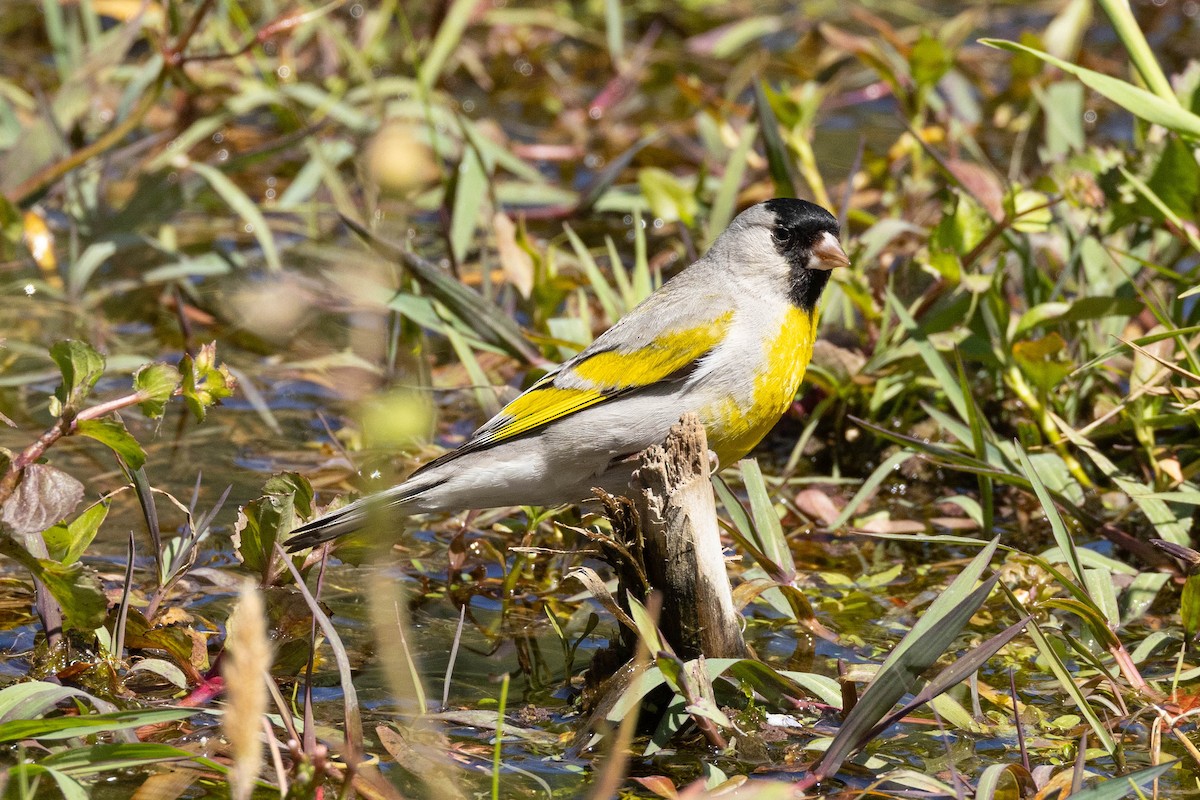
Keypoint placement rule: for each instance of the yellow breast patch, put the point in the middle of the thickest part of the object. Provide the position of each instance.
(735, 425)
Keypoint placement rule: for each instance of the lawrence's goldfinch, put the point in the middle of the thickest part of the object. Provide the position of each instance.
(728, 338)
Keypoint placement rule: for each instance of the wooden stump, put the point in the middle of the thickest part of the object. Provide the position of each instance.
(681, 541)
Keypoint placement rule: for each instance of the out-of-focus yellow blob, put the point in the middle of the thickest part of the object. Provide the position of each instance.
(398, 161)
(271, 308)
(395, 419)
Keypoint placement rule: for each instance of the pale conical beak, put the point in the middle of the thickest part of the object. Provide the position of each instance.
(828, 253)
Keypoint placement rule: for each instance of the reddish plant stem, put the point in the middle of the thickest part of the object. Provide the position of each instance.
(48, 609)
(63, 426)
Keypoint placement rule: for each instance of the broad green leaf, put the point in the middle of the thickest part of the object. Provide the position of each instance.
(929, 60)
(470, 193)
(90, 260)
(1062, 107)
(778, 685)
(767, 528)
(34, 698)
(1101, 589)
(1136, 101)
(81, 366)
(1044, 361)
(449, 34)
(163, 669)
(112, 432)
(67, 543)
(156, 383)
(264, 521)
(76, 588)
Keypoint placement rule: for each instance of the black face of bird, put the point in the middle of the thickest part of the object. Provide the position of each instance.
(806, 235)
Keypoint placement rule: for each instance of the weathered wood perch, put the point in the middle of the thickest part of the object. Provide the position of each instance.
(681, 542)
(666, 540)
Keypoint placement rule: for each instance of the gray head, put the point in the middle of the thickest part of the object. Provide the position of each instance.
(788, 236)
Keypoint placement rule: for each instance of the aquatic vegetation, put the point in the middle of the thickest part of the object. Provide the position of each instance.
(327, 240)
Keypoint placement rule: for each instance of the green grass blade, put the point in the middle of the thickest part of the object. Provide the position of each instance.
(1050, 656)
(768, 531)
(1125, 785)
(932, 358)
(924, 644)
(878, 476)
(778, 163)
(244, 207)
(1140, 54)
(735, 170)
(449, 34)
(1138, 102)
(1062, 536)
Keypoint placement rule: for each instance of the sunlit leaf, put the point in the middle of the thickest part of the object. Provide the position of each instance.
(669, 198)
(112, 432)
(205, 382)
(1044, 360)
(1137, 101)
(156, 383)
(81, 367)
(67, 542)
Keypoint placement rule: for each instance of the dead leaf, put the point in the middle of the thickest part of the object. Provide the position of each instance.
(44, 496)
(516, 263)
(817, 505)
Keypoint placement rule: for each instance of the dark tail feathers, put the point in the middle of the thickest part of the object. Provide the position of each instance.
(343, 521)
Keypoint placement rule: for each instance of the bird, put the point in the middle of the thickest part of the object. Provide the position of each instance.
(728, 337)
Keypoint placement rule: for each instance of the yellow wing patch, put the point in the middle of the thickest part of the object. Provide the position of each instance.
(610, 373)
(538, 407)
(662, 356)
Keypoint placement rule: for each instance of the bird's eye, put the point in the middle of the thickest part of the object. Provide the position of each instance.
(781, 235)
